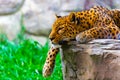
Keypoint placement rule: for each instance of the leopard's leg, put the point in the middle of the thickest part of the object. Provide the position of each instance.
(99, 33)
(50, 61)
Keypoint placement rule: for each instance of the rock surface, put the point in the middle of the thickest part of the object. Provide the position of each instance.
(97, 60)
(10, 25)
(41, 39)
(8, 7)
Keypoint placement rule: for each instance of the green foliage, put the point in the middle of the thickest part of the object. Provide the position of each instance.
(25, 60)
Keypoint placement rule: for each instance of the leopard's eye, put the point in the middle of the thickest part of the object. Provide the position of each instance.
(61, 30)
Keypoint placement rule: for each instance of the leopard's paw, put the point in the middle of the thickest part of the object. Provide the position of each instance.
(83, 38)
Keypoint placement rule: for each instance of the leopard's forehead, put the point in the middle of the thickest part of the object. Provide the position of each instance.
(60, 22)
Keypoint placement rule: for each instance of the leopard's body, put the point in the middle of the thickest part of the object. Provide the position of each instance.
(83, 26)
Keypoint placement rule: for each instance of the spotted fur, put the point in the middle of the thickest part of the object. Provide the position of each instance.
(84, 26)
(50, 61)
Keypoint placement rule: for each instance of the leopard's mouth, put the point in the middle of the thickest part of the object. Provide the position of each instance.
(64, 42)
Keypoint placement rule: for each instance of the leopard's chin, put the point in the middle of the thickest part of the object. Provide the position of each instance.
(56, 45)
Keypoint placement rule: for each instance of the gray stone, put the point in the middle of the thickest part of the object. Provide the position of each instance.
(41, 39)
(10, 25)
(97, 60)
(10, 6)
(38, 19)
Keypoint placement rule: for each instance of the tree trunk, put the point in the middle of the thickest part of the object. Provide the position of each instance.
(96, 60)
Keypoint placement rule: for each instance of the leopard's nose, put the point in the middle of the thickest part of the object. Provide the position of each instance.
(51, 38)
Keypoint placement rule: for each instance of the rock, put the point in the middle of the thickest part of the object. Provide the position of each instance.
(117, 4)
(10, 25)
(38, 24)
(41, 39)
(70, 5)
(96, 60)
(38, 19)
(10, 6)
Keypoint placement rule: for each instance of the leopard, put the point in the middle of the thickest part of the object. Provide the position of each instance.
(83, 26)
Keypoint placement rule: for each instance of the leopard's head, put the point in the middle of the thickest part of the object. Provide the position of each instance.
(64, 29)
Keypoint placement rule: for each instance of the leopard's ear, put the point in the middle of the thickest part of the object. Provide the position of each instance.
(57, 16)
(73, 18)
